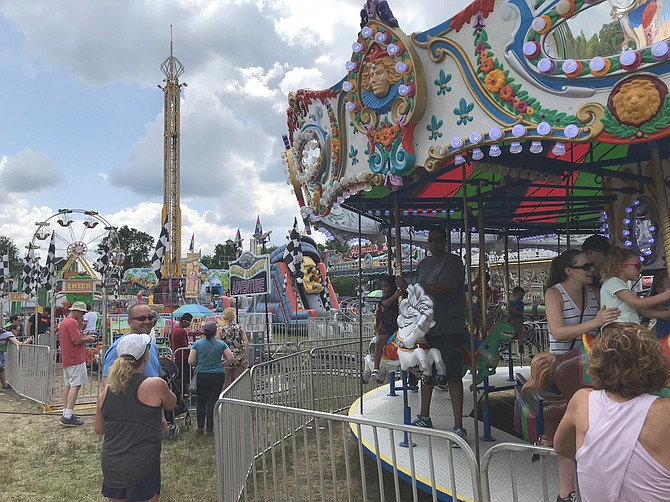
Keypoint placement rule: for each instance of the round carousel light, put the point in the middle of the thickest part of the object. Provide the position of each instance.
(571, 131)
(636, 202)
(494, 151)
(546, 66)
(401, 67)
(351, 65)
(381, 37)
(459, 160)
(518, 131)
(543, 128)
(352, 106)
(392, 49)
(477, 154)
(495, 134)
(406, 90)
(536, 147)
(515, 147)
(626, 221)
(347, 86)
(660, 50)
(628, 243)
(367, 32)
(357, 47)
(456, 142)
(475, 138)
(628, 210)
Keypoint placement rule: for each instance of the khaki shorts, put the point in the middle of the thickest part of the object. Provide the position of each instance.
(74, 376)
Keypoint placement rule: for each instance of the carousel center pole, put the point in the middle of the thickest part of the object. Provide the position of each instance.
(662, 198)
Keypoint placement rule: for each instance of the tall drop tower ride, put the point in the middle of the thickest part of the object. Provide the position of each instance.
(172, 69)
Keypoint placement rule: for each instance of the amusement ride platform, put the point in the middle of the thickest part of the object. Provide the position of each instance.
(380, 407)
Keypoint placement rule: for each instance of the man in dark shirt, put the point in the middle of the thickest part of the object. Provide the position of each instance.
(179, 340)
(43, 322)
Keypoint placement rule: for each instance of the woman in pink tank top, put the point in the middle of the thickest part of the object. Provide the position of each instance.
(618, 434)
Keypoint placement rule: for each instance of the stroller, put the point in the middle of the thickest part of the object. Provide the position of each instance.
(169, 373)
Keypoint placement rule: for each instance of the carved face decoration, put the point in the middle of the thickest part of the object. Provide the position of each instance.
(379, 75)
(637, 100)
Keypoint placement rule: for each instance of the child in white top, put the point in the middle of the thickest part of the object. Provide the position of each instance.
(624, 265)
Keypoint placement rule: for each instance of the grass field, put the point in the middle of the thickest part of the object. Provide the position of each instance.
(41, 460)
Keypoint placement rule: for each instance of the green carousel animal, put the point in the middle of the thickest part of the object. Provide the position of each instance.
(487, 354)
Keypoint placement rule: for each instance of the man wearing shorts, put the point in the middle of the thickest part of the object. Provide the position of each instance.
(73, 357)
(442, 276)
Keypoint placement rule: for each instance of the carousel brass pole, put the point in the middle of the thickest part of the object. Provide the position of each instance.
(389, 265)
(483, 283)
(662, 198)
(468, 262)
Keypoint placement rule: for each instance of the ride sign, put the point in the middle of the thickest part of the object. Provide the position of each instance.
(249, 275)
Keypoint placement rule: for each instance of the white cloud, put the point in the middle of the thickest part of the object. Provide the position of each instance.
(28, 171)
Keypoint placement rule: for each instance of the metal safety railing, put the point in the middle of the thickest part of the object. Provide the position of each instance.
(512, 462)
(311, 455)
(28, 371)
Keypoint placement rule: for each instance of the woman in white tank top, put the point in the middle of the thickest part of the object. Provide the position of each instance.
(572, 309)
(618, 433)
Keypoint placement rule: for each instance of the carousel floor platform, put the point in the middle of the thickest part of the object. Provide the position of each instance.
(378, 406)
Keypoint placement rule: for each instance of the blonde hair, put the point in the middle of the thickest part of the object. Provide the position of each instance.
(615, 258)
(229, 314)
(121, 373)
(627, 359)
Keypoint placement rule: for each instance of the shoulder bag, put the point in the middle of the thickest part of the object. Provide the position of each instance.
(193, 386)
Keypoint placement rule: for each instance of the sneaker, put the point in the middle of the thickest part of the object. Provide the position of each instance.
(210, 434)
(5, 389)
(420, 421)
(570, 498)
(71, 422)
(460, 432)
(374, 376)
(199, 431)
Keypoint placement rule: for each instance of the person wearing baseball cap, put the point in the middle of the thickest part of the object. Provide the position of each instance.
(596, 247)
(130, 415)
(73, 359)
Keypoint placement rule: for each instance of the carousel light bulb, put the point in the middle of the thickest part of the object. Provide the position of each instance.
(515, 147)
(451, 211)
(366, 32)
(646, 251)
(558, 149)
(401, 67)
(459, 160)
(636, 202)
(626, 221)
(494, 151)
(536, 147)
(651, 240)
(381, 37)
(347, 86)
(652, 228)
(475, 138)
(357, 47)
(477, 154)
(628, 243)
(392, 49)
(628, 210)
(625, 233)
(351, 65)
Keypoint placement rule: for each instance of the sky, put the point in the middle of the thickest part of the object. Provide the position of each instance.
(82, 117)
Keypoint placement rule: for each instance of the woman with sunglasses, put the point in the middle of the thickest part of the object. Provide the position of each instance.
(572, 309)
(624, 265)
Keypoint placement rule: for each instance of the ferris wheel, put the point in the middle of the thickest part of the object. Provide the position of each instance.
(81, 238)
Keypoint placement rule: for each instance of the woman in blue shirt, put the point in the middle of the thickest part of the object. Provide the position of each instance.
(207, 355)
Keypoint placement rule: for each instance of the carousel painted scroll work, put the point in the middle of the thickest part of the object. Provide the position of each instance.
(385, 96)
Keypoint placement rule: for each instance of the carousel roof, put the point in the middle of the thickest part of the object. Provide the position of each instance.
(498, 111)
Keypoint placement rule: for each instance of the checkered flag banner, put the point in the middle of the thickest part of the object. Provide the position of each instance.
(27, 276)
(117, 284)
(161, 247)
(102, 265)
(326, 294)
(4, 274)
(50, 268)
(180, 291)
(292, 253)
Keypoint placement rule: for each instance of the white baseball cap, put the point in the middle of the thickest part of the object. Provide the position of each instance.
(133, 345)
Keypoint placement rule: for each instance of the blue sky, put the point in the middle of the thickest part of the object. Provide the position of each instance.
(82, 117)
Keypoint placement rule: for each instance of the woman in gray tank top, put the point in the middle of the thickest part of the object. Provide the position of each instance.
(130, 415)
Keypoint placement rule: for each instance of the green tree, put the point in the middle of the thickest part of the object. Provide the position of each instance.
(208, 261)
(137, 245)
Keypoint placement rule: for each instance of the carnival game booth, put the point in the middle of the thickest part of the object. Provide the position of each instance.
(506, 119)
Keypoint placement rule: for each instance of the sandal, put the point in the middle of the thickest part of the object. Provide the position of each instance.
(374, 375)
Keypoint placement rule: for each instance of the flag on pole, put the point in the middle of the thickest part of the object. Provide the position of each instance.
(192, 246)
(4, 278)
(180, 292)
(259, 227)
(50, 268)
(161, 247)
(238, 239)
(27, 276)
(293, 254)
(117, 284)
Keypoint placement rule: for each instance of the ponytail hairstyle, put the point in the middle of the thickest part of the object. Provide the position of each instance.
(122, 371)
(615, 259)
(559, 264)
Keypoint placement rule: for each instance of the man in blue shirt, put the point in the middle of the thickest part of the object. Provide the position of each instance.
(141, 320)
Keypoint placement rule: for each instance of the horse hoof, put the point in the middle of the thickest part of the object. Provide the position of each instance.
(427, 380)
(441, 380)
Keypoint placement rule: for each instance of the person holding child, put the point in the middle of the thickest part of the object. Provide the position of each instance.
(624, 265)
(387, 323)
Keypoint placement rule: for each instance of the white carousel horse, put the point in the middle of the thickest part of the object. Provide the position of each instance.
(407, 347)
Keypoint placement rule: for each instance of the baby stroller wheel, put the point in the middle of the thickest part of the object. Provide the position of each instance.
(187, 422)
(177, 432)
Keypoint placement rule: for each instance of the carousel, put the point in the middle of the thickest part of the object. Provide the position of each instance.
(515, 118)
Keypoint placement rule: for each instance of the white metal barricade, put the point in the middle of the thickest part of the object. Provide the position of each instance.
(29, 370)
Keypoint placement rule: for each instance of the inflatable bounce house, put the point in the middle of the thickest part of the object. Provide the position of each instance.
(296, 299)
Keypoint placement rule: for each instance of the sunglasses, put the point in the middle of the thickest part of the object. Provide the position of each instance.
(586, 267)
(143, 318)
(636, 264)
(436, 239)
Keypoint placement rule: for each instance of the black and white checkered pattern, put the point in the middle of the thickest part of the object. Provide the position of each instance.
(117, 284)
(161, 247)
(102, 265)
(4, 274)
(326, 294)
(293, 254)
(50, 268)
(180, 292)
(27, 276)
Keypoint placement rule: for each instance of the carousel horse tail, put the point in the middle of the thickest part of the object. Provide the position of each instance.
(540, 369)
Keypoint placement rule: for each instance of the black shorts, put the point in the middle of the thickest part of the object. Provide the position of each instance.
(451, 348)
(145, 489)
